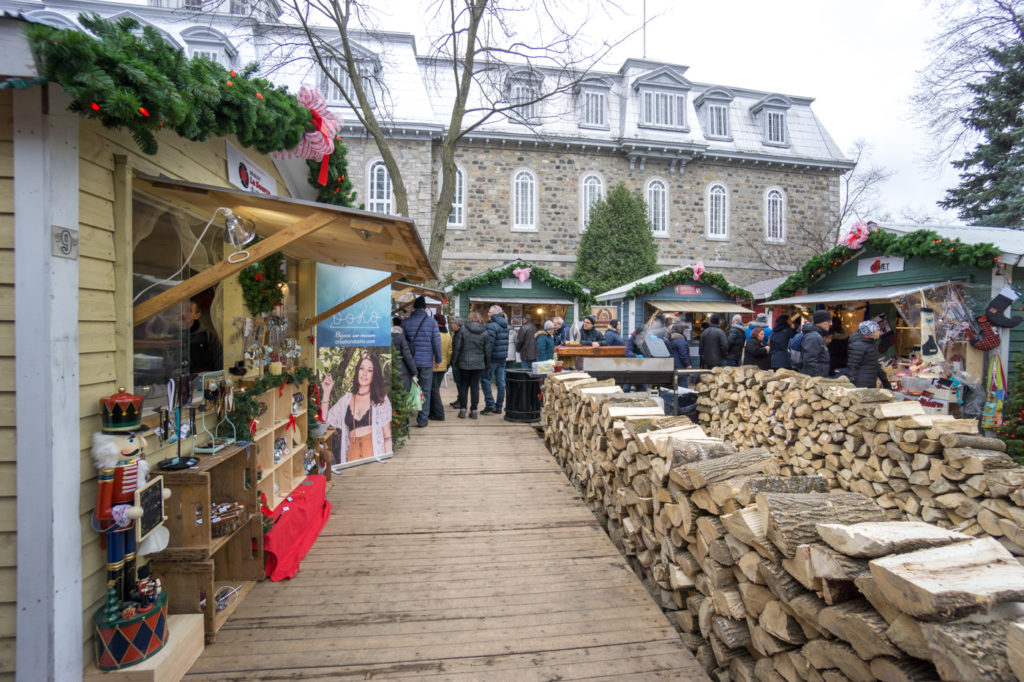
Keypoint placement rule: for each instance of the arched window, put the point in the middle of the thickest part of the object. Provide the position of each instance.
(379, 189)
(591, 190)
(718, 212)
(524, 201)
(457, 217)
(657, 207)
(775, 216)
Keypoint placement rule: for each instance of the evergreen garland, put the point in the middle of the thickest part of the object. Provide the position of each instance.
(685, 276)
(338, 191)
(401, 411)
(140, 82)
(1011, 431)
(539, 274)
(247, 407)
(261, 284)
(921, 243)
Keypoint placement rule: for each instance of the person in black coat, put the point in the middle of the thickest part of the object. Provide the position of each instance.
(471, 353)
(755, 352)
(737, 337)
(589, 334)
(814, 350)
(612, 337)
(778, 343)
(714, 345)
(407, 364)
(862, 361)
(678, 347)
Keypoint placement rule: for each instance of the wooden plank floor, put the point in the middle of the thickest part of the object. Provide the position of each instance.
(467, 556)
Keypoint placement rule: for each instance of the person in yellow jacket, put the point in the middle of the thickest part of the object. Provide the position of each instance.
(436, 404)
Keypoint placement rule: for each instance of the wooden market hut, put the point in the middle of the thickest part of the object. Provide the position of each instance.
(677, 292)
(77, 201)
(913, 263)
(541, 295)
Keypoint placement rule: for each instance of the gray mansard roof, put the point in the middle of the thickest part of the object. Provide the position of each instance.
(420, 91)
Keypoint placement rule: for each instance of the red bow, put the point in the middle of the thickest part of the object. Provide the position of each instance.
(252, 425)
(292, 424)
(280, 390)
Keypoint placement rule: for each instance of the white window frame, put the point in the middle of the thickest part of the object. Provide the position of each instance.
(710, 130)
(374, 202)
(586, 201)
(524, 91)
(594, 100)
(711, 212)
(525, 203)
(663, 109)
(333, 94)
(651, 208)
(208, 51)
(458, 200)
(768, 216)
(782, 139)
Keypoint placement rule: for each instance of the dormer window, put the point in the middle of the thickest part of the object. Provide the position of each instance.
(338, 83)
(770, 112)
(203, 41)
(523, 93)
(662, 95)
(713, 107)
(593, 103)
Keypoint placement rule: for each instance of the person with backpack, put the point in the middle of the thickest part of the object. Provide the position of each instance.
(778, 343)
(736, 337)
(814, 357)
(862, 360)
(714, 345)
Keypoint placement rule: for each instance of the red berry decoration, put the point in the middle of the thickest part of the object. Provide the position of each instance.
(95, 107)
(142, 110)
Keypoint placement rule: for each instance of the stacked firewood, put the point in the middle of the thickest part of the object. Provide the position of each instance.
(767, 574)
(916, 466)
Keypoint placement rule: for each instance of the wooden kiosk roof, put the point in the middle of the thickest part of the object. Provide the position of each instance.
(302, 229)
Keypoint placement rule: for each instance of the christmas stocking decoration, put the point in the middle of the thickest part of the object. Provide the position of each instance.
(929, 349)
(994, 310)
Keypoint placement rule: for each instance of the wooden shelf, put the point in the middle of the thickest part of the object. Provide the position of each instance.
(221, 617)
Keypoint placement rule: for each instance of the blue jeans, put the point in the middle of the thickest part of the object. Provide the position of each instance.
(497, 371)
(426, 379)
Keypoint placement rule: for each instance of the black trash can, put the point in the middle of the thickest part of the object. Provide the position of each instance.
(523, 395)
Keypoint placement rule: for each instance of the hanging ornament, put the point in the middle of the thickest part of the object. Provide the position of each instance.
(318, 143)
(698, 270)
(522, 274)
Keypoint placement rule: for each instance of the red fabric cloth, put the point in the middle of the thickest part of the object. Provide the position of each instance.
(300, 518)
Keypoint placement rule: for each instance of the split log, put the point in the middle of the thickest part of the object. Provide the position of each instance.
(700, 474)
(902, 670)
(824, 654)
(778, 623)
(970, 652)
(950, 582)
(963, 440)
(871, 540)
(790, 519)
(828, 563)
(1015, 648)
(856, 623)
(905, 632)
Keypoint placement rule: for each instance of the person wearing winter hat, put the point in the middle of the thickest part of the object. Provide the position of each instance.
(612, 337)
(714, 345)
(545, 342)
(440, 368)
(497, 329)
(589, 334)
(425, 341)
(813, 349)
(862, 360)
(761, 320)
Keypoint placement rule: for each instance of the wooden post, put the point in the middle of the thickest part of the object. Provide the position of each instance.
(123, 255)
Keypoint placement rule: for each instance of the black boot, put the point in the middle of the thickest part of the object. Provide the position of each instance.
(994, 310)
(462, 413)
(472, 414)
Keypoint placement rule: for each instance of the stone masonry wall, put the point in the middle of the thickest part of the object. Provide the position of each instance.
(487, 240)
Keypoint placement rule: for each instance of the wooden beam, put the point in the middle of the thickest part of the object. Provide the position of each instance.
(123, 249)
(212, 275)
(404, 290)
(352, 300)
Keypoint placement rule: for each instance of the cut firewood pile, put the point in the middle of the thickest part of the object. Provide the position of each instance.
(772, 572)
(916, 466)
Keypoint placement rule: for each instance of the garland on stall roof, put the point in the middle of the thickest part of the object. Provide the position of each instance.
(247, 408)
(261, 284)
(136, 80)
(686, 275)
(538, 274)
(921, 243)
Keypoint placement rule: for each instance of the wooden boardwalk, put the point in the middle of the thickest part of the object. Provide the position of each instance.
(466, 556)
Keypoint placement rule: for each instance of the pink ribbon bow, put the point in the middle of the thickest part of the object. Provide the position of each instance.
(522, 274)
(857, 235)
(698, 270)
(319, 143)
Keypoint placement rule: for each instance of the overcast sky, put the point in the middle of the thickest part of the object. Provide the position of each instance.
(857, 59)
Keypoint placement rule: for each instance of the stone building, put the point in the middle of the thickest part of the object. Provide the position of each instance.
(743, 180)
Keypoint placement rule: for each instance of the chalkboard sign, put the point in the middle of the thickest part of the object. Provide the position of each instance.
(151, 498)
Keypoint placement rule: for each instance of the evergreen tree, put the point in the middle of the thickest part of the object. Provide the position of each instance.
(992, 174)
(1012, 429)
(618, 246)
(338, 190)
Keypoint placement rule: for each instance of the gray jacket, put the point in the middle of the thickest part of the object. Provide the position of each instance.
(472, 347)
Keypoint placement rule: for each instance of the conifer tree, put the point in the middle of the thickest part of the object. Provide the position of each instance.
(992, 174)
(618, 246)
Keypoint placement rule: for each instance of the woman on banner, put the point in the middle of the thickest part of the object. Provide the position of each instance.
(362, 416)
